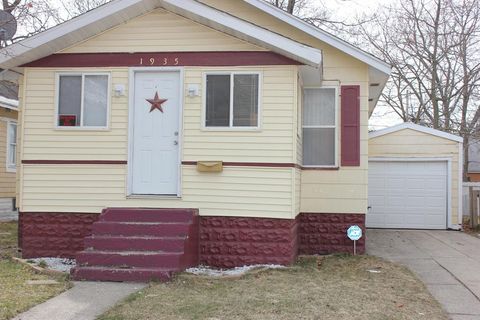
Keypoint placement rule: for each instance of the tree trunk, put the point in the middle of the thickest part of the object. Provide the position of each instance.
(291, 6)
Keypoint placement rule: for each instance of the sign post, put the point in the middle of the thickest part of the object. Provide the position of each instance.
(354, 233)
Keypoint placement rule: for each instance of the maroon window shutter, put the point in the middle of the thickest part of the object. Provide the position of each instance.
(350, 129)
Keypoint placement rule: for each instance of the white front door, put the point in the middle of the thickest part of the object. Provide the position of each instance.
(155, 167)
(407, 194)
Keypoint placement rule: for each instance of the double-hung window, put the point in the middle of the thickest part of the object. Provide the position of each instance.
(83, 100)
(320, 127)
(11, 146)
(232, 100)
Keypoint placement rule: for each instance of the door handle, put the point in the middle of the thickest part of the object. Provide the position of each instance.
(175, 143)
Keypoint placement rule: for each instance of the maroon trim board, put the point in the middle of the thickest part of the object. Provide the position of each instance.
(163, 59)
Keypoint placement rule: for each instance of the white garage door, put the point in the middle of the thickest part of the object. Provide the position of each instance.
(407, 194)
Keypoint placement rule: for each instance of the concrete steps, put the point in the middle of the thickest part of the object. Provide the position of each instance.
(139, 245)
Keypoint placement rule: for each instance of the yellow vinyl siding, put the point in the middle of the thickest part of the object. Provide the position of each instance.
(7, 179)
(272, 143)
(87, 188)
(412, 143)
(343, 190)
(91, 188)
(338, 69)
(161, 31)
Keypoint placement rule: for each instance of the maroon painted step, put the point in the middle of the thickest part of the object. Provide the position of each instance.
(118, 243)
(113, 274)
(129, 259)
(140, 228)
(148, 215)
(139, 245)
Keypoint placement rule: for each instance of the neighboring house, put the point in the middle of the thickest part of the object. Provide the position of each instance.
(8, 144)
(221, 132)
(473, 173)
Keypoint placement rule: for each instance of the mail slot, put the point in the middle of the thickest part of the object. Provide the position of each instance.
(210, 166)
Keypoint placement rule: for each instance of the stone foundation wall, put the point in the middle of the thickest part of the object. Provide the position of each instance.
(225, 242)
(230, 242)
(325, 233)
(53, 234)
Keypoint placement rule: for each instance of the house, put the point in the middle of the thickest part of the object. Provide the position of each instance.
(156, 135)
(8, 145)
(473, 173)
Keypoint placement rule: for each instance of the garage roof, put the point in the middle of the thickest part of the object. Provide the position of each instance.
(415, 127)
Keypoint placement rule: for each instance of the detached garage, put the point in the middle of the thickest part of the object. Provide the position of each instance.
(414, 178)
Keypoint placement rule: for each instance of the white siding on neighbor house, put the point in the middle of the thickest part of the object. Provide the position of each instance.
(411, 143)
(474, 156)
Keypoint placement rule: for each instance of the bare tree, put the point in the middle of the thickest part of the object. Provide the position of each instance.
(433, 47)
(77, 7)
(32, 17)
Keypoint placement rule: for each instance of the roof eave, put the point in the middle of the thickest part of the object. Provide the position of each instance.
(119, 11)
(322, 35)
(244, 30)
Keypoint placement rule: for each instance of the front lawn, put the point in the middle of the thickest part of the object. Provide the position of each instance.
(336, 287)
(16, 294)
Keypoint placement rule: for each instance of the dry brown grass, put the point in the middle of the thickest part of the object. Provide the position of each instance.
(339, 287)
(15, 294)
(8, 239)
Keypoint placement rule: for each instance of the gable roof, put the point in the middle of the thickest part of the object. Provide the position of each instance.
(415, 127)
(116, 12)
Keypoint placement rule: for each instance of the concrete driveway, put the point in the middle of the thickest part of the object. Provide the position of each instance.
(448, 262)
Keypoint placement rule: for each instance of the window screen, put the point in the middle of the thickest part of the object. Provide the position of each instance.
(319, 127)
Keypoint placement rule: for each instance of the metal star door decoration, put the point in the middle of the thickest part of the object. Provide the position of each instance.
(156, 103)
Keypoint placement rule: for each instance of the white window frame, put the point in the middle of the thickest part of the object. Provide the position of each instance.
(336, 126)
(57, 101)
(11, 167)
(231, 127)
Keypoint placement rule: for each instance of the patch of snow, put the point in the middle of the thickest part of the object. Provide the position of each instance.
(374, 271)
(207, 271)
(57, 264)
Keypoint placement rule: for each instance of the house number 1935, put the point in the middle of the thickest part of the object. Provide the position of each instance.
(161, 61)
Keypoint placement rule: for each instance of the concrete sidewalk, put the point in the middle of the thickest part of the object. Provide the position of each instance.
(6, 216)
(85, 301)
(448, 262)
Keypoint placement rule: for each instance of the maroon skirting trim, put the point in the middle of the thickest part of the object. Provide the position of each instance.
(53, 234)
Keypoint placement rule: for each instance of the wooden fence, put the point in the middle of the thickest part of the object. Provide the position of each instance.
(471, 201)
